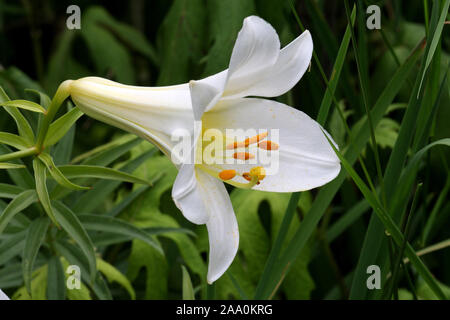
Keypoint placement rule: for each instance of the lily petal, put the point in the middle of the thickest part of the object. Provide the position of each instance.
(256, 50)
(306, 160)
(292, 63)
(152, 113)
(223, 231)
(204, 199)
(3, 296)
(187, 193)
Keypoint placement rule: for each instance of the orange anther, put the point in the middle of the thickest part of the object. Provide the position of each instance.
(227, 174)
(243, 155)
(247, 142)
(247, 176)
(268, 145)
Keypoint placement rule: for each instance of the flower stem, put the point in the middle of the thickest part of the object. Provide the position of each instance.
(61, 94)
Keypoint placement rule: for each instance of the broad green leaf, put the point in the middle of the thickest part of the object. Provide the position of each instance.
(72, 225)
(183, 30)
(145, 257)
(24, 104)
(98, 38)
(19, 203)
(61, 126)
(114, 275)
(125, 202)
(57, 174)
(78, 294)
(38, 286)
(225, 18)
(40, 175)
(84, 171)
(75, 256)
(13, 140)
(118, 226)
(56, 281)
(125, 33)
(35, 236)
(188, 290)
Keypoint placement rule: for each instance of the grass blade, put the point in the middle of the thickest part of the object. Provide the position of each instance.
(35, 236)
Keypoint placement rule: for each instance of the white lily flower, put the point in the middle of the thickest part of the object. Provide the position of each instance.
(257, 68)
(3, 296)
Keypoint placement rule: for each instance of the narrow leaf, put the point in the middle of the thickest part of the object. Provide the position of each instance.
(24, 104)
(19, 203)
(40, 176)
(57, 174)
(35, 235)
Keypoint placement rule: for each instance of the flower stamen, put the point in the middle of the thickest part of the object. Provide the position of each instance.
(227, 174)
(268, 145)
(248, 141)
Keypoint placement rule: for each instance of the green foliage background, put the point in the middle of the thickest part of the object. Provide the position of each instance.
(332, 237)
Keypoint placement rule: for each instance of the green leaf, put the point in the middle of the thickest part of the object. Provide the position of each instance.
(114, 275)
(35, 236)
(5, 165)
(9, 190)
(19, 203)
(70, 223)
(155, 265)
(44, 99)
(435, 40)
(57, 174)
(125, 33)
(183, 30)
(225, 18)
(60, 127)
(102, 189)
(117, 226)
(22, 124)
(38, 286)
(327, 193)
(334, 79)
(56, 281)
(40, 175)
(20, 177)
(105, 154)
(84, 171)
(188, 290)
(390, 225)
(13, 140)
(24, 104)
(118, 60)
(12, 247)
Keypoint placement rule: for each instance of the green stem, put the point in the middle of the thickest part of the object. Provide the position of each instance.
(61, 94)
(19, 154)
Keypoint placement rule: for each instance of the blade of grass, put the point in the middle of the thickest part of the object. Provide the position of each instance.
(327, 192)
(390, 226)
(35, 236)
